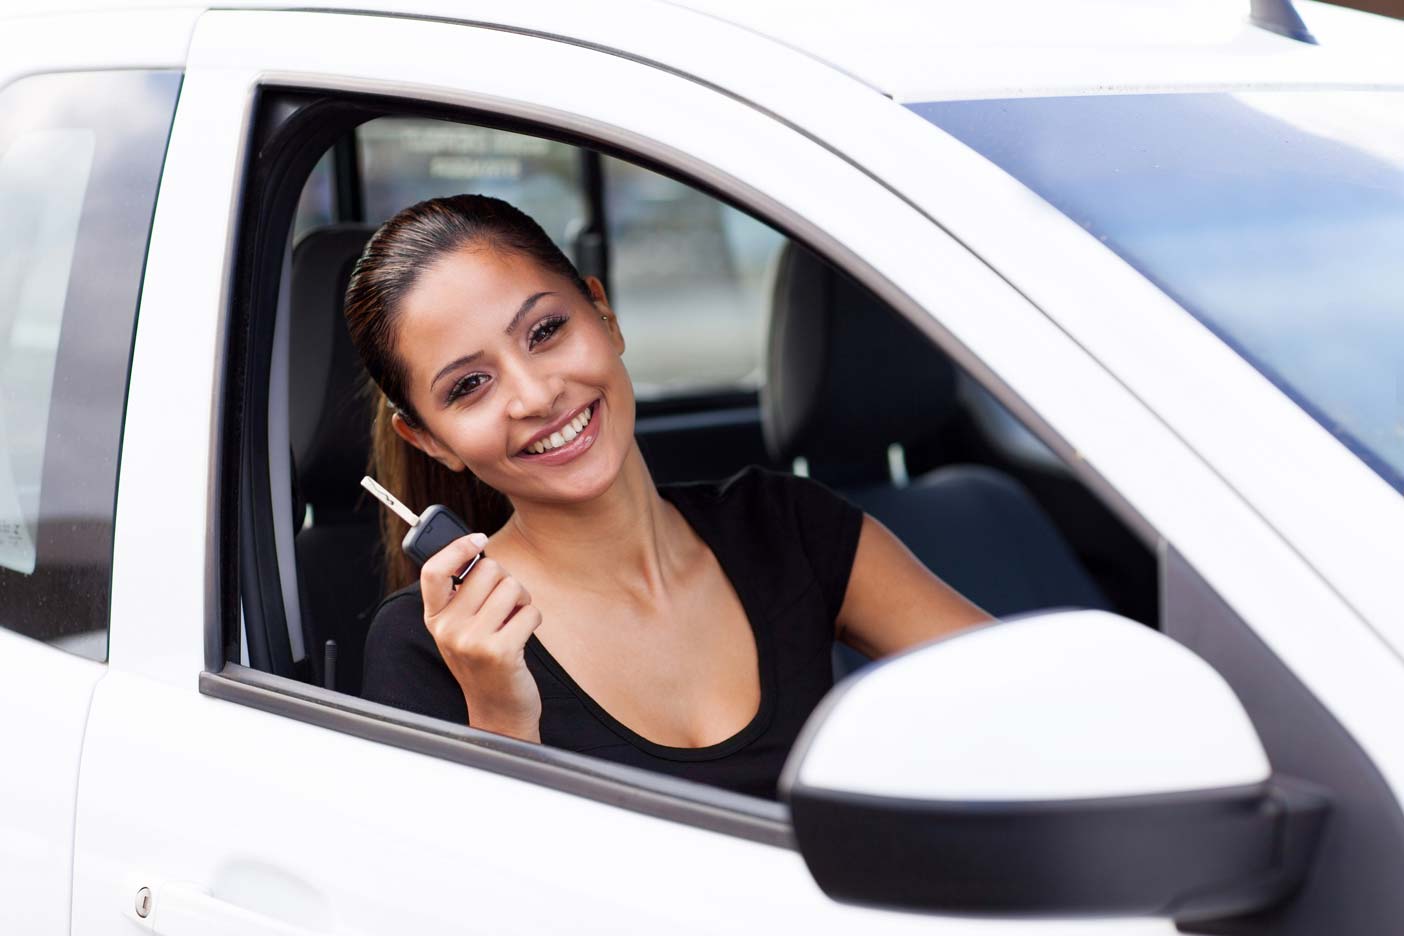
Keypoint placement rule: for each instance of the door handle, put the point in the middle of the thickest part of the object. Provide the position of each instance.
(178, 908)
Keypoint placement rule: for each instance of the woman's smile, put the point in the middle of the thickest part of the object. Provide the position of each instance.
(565, 440)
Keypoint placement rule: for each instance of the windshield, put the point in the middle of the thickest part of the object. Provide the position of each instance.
(1275, 218)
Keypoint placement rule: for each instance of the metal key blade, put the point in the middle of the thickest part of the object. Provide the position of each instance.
(389, 500)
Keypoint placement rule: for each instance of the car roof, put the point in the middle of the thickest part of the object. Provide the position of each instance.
(955, 48)
(933, 49)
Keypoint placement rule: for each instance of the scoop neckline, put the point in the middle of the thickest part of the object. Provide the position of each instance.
(749, 606)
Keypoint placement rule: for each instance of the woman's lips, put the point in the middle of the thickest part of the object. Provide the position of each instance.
(572, 449)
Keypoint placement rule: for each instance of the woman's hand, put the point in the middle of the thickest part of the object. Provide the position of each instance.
(481, 629)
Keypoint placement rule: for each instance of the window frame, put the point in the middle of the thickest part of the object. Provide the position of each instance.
(292, 126)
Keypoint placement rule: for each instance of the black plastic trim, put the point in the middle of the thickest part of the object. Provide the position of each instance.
(679, 422)
(591, 247)
(346, 174)
(1354, 881)
(1281, 17)
(291, 131)
(699, 400)
(1186, 855)
(637, 790)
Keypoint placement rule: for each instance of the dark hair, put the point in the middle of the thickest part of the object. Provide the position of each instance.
(388, 269)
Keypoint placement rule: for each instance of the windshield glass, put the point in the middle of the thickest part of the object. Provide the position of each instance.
(1275, 218)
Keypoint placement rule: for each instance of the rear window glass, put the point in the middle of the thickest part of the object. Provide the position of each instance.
(80, 157)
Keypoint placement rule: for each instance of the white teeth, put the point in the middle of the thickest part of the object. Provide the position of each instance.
(567, 433)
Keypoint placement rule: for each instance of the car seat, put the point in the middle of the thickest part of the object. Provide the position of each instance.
(847, 378)
(329, 414)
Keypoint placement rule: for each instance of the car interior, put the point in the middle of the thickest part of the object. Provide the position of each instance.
(746, 347)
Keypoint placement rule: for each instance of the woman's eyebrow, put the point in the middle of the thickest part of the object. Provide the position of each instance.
(453, 366)
(526, 307)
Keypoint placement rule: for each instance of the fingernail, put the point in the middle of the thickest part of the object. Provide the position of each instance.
(479, 539)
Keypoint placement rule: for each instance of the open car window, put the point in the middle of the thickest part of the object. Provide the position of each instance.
(810, 372)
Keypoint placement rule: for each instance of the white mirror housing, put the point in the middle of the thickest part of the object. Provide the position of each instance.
(1067, 705)
(1071, 762)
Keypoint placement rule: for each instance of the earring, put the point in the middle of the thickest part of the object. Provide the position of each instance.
(604, 318)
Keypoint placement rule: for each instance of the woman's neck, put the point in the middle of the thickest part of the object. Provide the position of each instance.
(627, 538)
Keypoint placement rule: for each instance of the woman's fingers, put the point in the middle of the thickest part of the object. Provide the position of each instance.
(519, 627)
(466, 625)
(479, 584)
(508, 595)
(435, 584)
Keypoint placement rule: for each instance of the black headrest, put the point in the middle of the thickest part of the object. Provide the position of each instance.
(328, 417)
(847, 376)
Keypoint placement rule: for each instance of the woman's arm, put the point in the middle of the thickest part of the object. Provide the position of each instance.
(893, 601)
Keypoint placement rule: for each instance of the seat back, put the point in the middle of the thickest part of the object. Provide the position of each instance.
(848, 377)
(329, 421)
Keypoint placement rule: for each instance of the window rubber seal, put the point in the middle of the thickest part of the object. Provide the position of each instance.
(633, 788)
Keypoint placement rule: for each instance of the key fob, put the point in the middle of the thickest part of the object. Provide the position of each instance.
(437, 527)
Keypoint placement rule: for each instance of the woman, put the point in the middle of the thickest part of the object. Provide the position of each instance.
(684, 628)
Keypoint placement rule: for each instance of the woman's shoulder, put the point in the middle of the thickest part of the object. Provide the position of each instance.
(398, 621)
(792, 526)
(400, 603)
(760, 494)
(403, 666)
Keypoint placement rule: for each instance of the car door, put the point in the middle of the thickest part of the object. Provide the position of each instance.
(80, 155)
(219, 798)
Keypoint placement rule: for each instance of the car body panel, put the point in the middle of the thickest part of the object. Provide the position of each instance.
(44, 692)
(149, 723)
(312, 828)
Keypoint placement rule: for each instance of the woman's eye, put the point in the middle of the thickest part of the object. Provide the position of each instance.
(465, 385)
(545, 330)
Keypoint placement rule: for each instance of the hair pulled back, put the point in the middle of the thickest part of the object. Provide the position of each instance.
(388, 269)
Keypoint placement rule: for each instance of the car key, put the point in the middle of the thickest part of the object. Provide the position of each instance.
(429, 532)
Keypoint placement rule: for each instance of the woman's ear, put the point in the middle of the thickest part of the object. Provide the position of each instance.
(424, 440)
(610, 320)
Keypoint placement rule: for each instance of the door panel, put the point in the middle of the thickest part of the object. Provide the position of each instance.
(289, 824)
(269, 819)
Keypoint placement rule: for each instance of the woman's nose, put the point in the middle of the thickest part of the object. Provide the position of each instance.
(533, 394)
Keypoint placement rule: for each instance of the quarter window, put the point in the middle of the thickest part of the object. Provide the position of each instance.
(80, 157)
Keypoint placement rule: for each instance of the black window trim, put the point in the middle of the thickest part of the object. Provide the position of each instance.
(291, 127)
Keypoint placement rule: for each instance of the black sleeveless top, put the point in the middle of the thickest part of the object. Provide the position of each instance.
(786, 543)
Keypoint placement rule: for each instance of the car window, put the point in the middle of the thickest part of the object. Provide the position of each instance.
(691, 279)
(680, 262)
(80, 157)
(689, 276)
(403, 160)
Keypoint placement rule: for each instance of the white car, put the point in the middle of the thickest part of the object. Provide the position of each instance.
(1099, 305)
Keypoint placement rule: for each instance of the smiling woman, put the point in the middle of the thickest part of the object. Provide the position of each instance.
(689, 626)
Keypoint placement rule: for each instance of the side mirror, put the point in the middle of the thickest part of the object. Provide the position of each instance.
(1068, 763)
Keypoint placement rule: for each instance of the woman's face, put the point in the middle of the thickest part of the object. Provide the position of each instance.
(516, 376)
